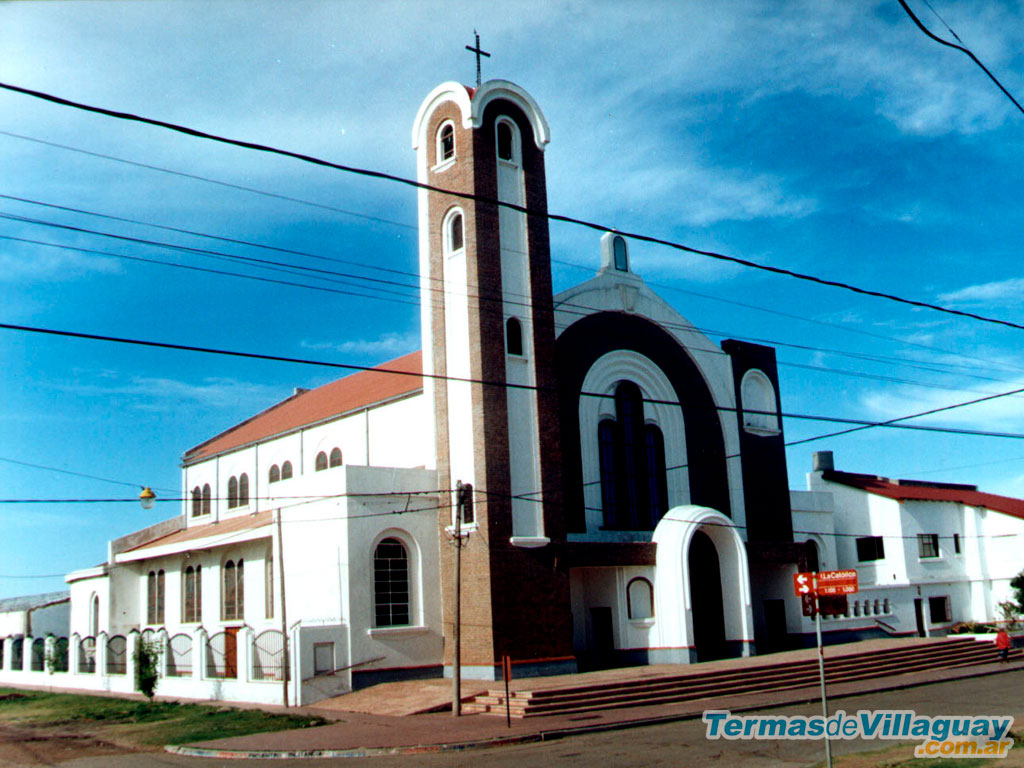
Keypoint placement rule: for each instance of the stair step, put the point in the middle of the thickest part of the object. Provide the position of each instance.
(667, 689)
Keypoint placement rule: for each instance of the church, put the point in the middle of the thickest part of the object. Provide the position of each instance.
(615, 482)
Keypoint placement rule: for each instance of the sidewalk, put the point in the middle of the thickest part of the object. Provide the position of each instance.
(360, 735)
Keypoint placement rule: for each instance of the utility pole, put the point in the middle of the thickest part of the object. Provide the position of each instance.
(285, 660)
(457, 607)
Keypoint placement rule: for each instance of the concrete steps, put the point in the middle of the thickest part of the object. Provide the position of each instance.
(755, 678)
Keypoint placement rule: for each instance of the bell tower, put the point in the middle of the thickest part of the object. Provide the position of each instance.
(488, 341)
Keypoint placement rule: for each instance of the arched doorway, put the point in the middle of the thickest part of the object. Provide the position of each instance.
(706, 599)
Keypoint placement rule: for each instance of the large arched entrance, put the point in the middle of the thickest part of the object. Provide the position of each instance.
(706, 598)
(701, 588)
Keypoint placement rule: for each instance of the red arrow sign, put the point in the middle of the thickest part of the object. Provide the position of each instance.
(803, 584)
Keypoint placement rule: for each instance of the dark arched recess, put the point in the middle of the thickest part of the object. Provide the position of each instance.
(580, 346)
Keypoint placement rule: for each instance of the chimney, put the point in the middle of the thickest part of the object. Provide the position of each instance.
(822, 460)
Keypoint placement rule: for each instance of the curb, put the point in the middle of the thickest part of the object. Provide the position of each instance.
(550, 735)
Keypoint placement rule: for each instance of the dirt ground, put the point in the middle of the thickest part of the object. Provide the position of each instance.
(26, 746)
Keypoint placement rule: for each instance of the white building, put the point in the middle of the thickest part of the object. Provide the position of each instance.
(927, 554)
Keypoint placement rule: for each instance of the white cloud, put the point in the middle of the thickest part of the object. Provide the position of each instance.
(998, 292)
(387, 345)
(160, 393)
(1005, 414)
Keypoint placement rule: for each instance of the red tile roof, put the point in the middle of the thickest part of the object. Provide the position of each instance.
(310, 407)
(233, 525)
(920, 490)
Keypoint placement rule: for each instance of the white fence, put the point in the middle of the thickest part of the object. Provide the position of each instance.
(103, 663)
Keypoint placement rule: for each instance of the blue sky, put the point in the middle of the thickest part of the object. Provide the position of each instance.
(824, 137)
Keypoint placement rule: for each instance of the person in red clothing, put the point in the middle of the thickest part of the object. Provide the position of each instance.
(1003, 645)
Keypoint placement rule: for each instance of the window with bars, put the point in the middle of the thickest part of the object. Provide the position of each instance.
(192, 591)
(274, 475)
(155, 597)
(928, 545)
(197, 501)
(335, 459)
(321, 461)
(207, 494)
(286, 471)
(233, 591)
(232, 492)
(391, 584)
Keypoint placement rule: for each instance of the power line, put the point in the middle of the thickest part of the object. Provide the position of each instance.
(408, 299)
(891, 422)
(350, 366)
(78, 474)
(208, 180)
(193, 132)
(963, 50)
(310, 203)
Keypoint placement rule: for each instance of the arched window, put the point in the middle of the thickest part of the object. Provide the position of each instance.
(207, 493)
(621, 255)
(232, 492)
(197, 502)
(286, 471)
(275, 474)
(639, 598)
(455, 235)
(634, 486)
(336, 457)
(760, 412)
(811, 553)
(233, 591)
(506, 140)
(514, 337)
(243, 490)
(446, 142)
(391, 584)
(94, 617)
(155, 597)
(321, 461)
(192, 591)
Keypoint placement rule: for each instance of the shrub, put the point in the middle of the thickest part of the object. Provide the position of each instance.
(147, 658)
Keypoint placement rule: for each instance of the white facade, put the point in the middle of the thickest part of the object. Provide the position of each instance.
(941, 560)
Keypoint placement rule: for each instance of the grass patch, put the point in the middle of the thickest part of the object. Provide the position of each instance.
(141, 722)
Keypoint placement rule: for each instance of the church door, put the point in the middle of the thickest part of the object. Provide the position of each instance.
(706, 599)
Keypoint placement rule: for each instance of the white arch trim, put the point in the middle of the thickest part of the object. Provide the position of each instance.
(473, 109)
(603, 376)
(672, 577)
(504, 89)
(450, 91)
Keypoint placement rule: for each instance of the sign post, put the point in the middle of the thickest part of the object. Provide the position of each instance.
(810, 587)
(821, 670)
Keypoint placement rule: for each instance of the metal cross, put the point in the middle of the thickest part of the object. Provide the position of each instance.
(477, 50)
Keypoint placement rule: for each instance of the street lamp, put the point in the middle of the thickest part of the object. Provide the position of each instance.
(147, 498)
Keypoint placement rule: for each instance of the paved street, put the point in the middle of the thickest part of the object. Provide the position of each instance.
(674, 744)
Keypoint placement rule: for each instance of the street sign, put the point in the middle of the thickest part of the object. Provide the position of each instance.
(803, 584)
(837, 582)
